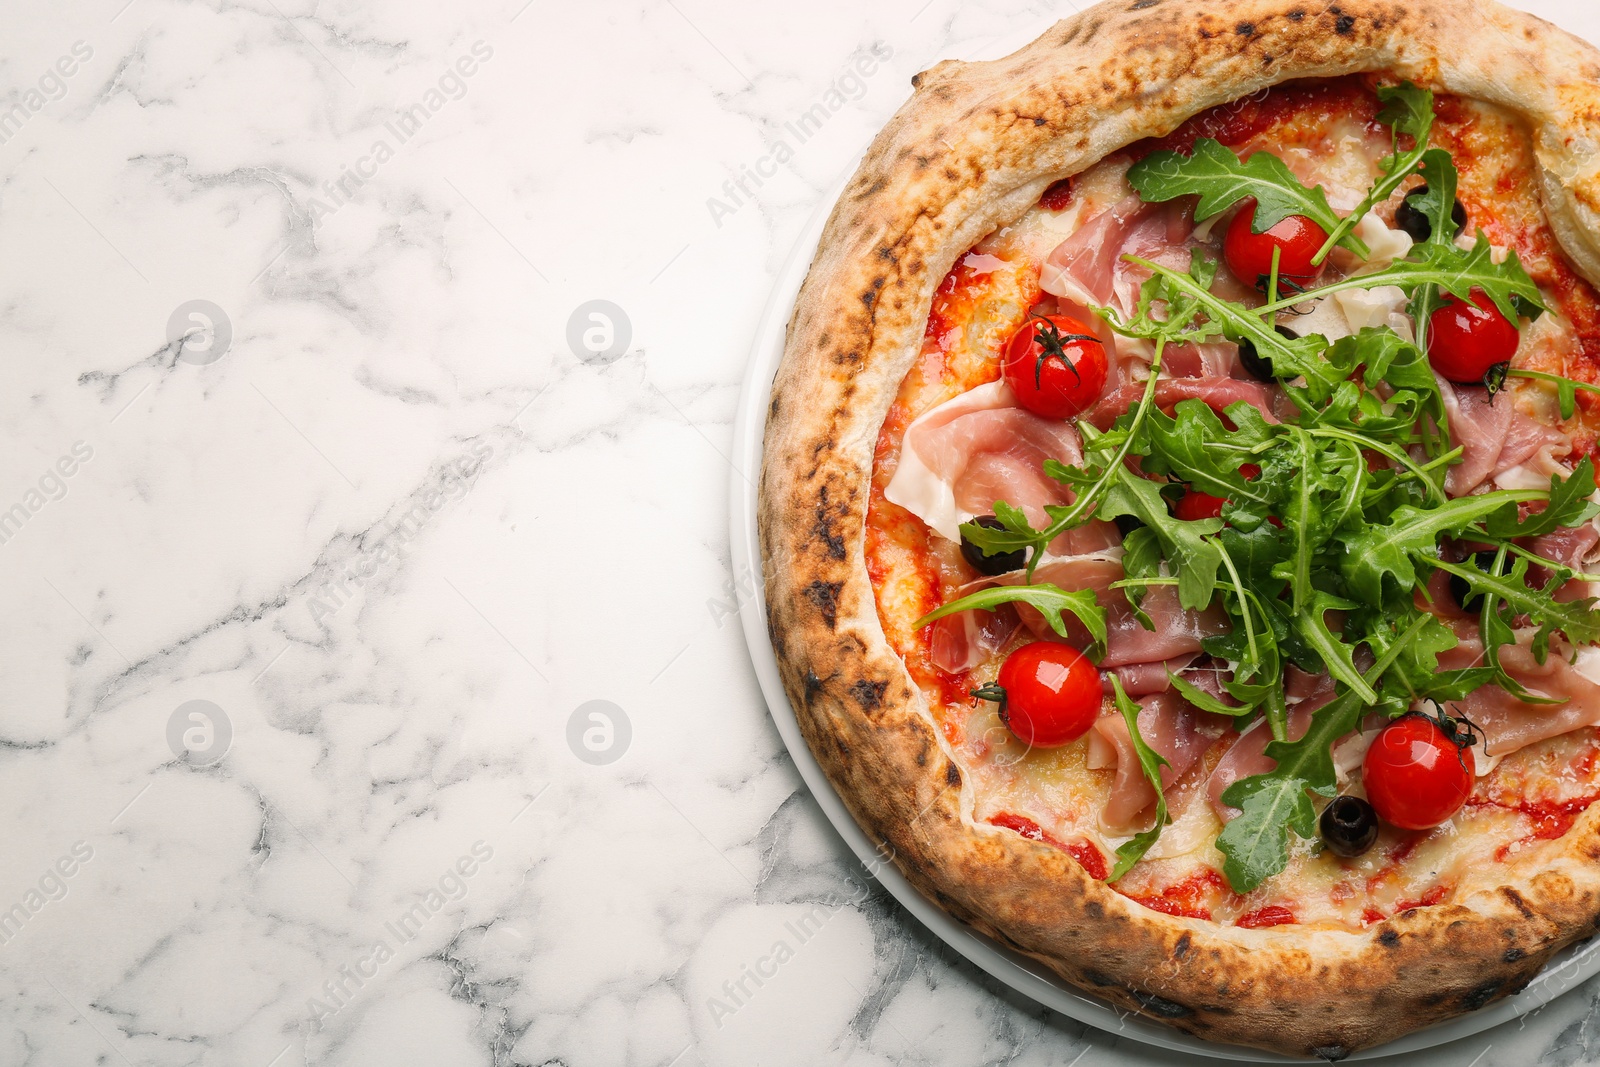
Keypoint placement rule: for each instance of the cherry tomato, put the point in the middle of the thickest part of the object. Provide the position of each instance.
(1466, 340)
(1249, 254)
(1055, 365)
(1416, 774)
(1197, 505)
(1052, 693)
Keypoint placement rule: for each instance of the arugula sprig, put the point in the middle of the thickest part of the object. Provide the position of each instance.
(1407, 110)
(1151, 762)
(1566, 388)
(1049, 600)
(1256, 842)
(1221, 179)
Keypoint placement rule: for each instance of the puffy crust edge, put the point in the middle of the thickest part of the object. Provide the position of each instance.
(973, 149)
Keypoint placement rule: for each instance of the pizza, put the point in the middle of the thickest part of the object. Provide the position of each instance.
(1179, 507)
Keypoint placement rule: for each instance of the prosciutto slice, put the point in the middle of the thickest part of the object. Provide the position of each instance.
(962, 641)
(1142, 679)
(1248, 755)
(1569, 544)
(1494, 437)
(1170, 726)
(1088, 266)
(1507, 723)
(1177, 632)
(1216, 393)
(980, 447)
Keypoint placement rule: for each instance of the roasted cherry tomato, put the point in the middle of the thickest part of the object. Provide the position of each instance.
(1419, 770)
(1049, 693)
(1466, 341)
(1056, 366)
(1249, 254)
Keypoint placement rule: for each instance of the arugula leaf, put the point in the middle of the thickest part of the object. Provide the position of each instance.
(1204, 700)
(1569, 505)
(1151, 762)
(1212, 317)
(1451, 269)
(1049, 600)
(1337, 656)
(1256, 841)
(1575, 618)
(1194, 445)
(1184, 544)
(1178, 305)
(1220, 179)
(1437, 205)
(1387, 552)
(1414, 674)
(1141, 558)
(1406, 110)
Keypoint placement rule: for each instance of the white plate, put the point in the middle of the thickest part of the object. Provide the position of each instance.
(1567, 970)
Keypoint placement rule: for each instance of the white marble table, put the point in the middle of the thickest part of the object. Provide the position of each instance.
(318, 542)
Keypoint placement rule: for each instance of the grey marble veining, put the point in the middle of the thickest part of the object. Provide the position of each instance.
(374, 687)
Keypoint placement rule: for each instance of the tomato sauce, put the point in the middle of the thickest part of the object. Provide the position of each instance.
(1192, 897)
(1090, 858)
(1058, 197)
(1428, 899)
(1271, 915)
(1317, 101)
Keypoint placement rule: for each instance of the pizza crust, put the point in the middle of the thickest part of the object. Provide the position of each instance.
(973, 149)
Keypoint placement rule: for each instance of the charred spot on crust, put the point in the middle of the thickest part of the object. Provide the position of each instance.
(1480, 996)
(1512, 955)
(916, 80)
(1096, 978)
(952, 775)
(1094, 910)
(1245, 29)
(813, 684)
(1296, 15)
(1343, 25)
(1040, 122)
(1389, 938)
(825, 595)
(825, 528)
(1180, 949)
(870, 297)
(1140, 5)
(1331, 1053)
(1167, 1009)
(1516, 901)
(868, 694)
